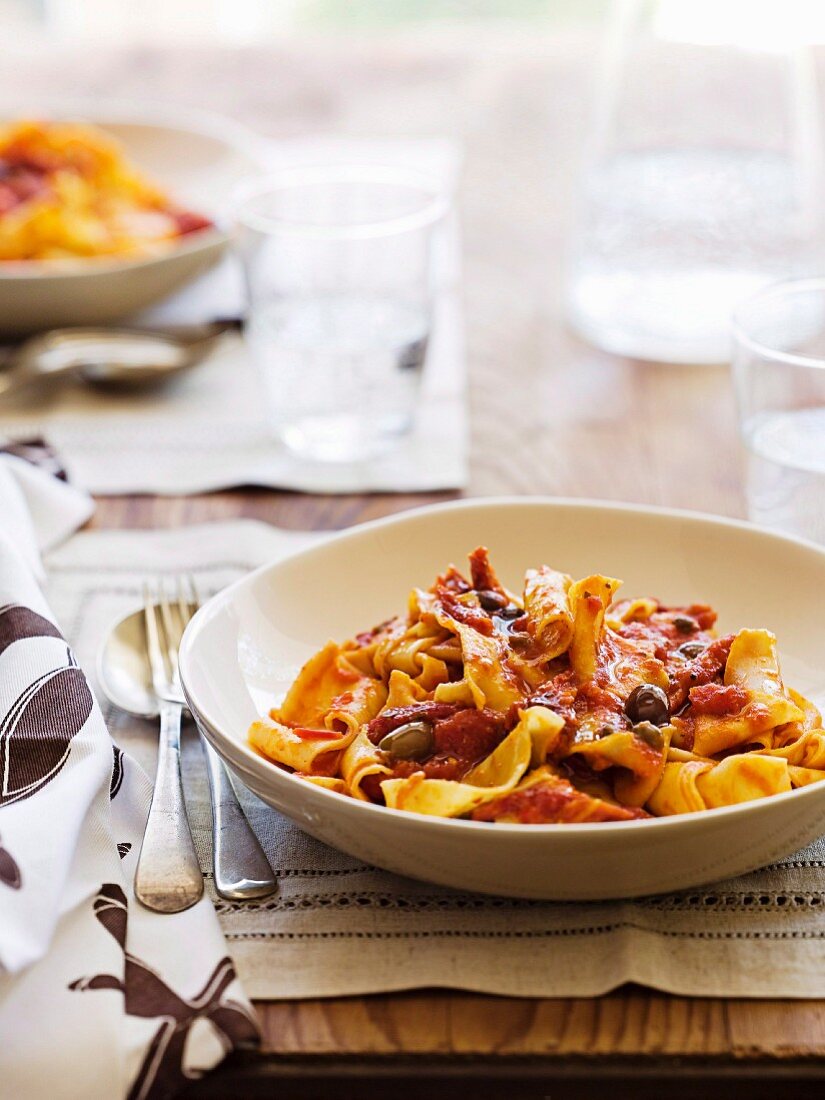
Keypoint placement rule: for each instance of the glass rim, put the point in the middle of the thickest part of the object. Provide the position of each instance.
(435, 201)
(781, 288)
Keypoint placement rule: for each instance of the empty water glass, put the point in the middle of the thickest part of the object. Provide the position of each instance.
(339, 265)
(779, 373)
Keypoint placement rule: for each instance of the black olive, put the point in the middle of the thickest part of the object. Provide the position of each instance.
(685, 625)
(491, 601)
(520, 639)
(690, 650)
(647, 703)
(510, 612)
(649, 733)
(412, 741)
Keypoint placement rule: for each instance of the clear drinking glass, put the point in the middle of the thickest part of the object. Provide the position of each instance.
(703, 180)
(779, 374)
(339, 272)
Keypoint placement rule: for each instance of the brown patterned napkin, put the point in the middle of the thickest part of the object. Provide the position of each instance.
(97, 998)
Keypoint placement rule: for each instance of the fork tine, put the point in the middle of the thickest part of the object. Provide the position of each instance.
(184, 610)
(153, 643)
(169, 629)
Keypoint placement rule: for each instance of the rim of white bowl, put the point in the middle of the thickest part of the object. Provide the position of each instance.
(505, 828)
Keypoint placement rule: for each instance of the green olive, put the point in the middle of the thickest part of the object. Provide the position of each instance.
(649, 733)
(412, 741)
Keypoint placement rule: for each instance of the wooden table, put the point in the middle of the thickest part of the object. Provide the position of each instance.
(549, 415)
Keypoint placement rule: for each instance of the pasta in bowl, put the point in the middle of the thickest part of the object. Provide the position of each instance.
(244, 650)
(560, 704)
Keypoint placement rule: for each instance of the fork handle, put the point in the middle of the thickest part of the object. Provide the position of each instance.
(168, 877)
(242, 870)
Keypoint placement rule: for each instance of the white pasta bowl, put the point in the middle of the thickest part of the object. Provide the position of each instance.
(244, 647)
(198, 159)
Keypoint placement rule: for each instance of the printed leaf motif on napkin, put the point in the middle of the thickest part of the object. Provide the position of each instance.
(163, 1070)
(9, 871)
(37, 730)
(117, 771)
(18, 622)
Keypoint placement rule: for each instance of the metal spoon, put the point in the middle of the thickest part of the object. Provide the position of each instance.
(120, 357)
(242, 871)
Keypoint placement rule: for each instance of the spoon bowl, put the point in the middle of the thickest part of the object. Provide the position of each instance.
(123, 670)
(121, 358)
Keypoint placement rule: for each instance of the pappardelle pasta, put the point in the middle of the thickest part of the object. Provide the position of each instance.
(562, 704)
(68, 191)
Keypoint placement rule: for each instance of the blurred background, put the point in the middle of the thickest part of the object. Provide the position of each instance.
(250, 21)
(614, 205)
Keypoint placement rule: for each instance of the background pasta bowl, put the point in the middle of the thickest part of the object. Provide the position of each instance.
(197, 158)
(245, 646)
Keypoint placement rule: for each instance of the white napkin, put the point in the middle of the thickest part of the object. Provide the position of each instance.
(97, 999)
(37, 511)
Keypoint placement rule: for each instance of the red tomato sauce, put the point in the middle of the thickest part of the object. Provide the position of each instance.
(717, 699)
(390, 720)
(553, 802)
(704, 669)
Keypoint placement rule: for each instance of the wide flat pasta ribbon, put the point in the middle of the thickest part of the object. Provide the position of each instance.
(490, 682)
(641, 761)
(703, 785)
(547, 607)
(329, 682)
(302, 753)
(752, 664)
(361, 759)
(589, 599)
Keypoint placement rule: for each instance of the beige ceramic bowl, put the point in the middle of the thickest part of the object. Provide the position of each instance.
(244, 647)
(198, 159)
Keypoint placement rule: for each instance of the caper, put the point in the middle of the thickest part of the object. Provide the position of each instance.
(412, 741)
(491, 601)
(649, 733)
(510, 612)
(685, 625)
(648, 703)
(689, 650)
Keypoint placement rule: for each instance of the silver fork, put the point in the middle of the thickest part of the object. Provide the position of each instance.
(242, 871)
(168, 878)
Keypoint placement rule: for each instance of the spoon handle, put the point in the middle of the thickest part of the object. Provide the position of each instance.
(242, 870)
(168, 878)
